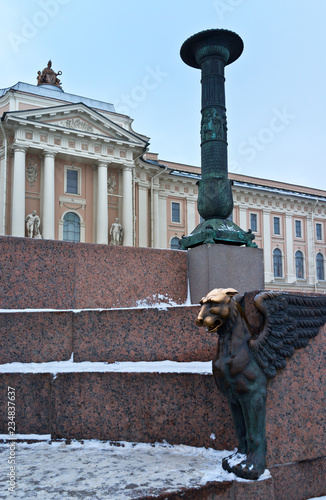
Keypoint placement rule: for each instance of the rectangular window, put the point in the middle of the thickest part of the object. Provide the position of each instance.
(277, 227)
(253, 222)
(175, 212)
(298, 229)
(72, 181)
(319, 234)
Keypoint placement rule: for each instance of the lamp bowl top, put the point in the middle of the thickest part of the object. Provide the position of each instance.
(218, 37)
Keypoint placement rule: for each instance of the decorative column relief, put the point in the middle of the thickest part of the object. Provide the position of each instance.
(269, 275)
(290, 275)
(48, 196)
(18, 192)
(102, 219)
(127, 202)
(143, 215)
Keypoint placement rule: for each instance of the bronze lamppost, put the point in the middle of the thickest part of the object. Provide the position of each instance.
(211, 51)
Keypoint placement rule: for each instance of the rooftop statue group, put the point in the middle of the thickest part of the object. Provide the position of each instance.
(48, 76)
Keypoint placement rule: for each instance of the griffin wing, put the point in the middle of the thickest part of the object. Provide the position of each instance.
(290, 321)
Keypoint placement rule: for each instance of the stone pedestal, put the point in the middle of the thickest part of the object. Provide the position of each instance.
(224, 266)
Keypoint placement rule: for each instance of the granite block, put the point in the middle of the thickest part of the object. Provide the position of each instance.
(224, 266)
(301, 480)
(296, 406)
(32, 402)
(211, 491)
(179, 408)
(111, 276)
(142, 335)
(36, 273)
(63, 275)
(36, 337)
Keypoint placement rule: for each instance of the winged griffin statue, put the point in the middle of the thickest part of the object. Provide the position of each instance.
(244, 363)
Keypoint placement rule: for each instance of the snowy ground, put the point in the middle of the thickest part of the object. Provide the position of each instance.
(100, 470)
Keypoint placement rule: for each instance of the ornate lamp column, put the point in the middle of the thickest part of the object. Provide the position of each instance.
(211, 51)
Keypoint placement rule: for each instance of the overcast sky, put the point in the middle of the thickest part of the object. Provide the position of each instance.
(127, 52)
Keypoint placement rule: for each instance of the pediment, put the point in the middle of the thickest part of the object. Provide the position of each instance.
(78, 118)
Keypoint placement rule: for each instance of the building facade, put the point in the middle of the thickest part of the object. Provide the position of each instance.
(74, 165)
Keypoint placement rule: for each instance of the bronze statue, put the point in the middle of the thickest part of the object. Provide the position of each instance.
(244, 362)
(48, 76)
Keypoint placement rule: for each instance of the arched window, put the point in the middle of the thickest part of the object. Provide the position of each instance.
(174, 244)
(299, 268)
(71, 227)
(277, 263)
(320, 267)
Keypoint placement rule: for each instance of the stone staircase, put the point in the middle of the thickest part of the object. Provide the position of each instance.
(78, 322)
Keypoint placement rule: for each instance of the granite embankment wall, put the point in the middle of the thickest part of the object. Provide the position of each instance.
(62, 275)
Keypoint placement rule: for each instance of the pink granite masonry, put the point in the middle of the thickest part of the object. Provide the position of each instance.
(32, 402)
(144, 407)
(36, 337)
(62, 275)
(142, 335)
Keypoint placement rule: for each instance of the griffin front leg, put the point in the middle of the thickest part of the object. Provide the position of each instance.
(254, 410)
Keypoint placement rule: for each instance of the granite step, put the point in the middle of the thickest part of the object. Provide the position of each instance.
(149, 402)
(141, 334)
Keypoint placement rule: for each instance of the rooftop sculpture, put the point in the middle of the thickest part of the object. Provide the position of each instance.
(211, 51)
(48, 76)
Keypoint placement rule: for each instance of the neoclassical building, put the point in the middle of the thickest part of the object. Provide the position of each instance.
(77, 166)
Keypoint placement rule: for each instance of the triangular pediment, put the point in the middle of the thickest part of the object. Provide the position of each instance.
(77, 118)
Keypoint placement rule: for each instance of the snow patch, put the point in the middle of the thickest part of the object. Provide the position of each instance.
(55, 367)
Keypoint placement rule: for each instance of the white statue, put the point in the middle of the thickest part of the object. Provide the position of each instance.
(33, 225)
(116, 233)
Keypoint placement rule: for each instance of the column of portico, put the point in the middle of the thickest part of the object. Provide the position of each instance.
(127, 202)
(269, 275)
(18, 192)
(102, 218)
(143, 215)
(48, 222)
(290, 276)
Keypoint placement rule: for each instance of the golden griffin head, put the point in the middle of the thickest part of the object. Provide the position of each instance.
(215, 308)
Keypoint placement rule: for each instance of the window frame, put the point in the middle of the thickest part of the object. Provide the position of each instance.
(299, 221)
(78, 170)
(79, 227)
(322, 262)
(178, 203)
(253, 214)
(319, 224)
(296, 265)
(280, 263)
(276, 218)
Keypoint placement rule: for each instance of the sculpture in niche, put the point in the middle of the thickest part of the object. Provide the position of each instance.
(33, 225)
(48, 76)
(244, 362)
(116, 233)
(31, 173)
(112, 184)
